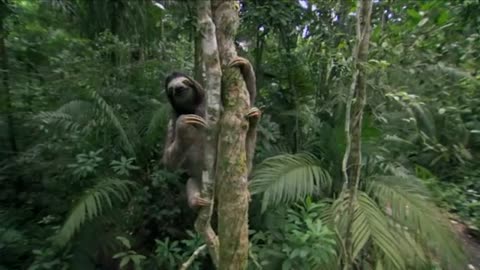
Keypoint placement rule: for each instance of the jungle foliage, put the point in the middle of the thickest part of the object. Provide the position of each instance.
(83, 119)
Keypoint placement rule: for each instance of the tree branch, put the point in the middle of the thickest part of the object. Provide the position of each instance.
(210, 64)
(192, 258)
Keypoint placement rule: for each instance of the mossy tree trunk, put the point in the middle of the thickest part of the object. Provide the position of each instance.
(231, 173)
(225, 154)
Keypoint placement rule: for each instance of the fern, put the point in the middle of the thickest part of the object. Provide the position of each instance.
(287, 178)
(63, 120)
(110, 113)
(69, 116)
(157, 124)
(93, 204)
(78, 108)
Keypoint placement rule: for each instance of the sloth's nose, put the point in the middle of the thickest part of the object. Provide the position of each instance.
(180, 90)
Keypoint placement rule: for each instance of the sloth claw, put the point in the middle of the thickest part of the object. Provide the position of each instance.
(254, 112)
(195, 120)
(238, 61)
(198, 201)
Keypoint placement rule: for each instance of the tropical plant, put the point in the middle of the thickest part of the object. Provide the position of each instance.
(83, 116)
(395, 222)
(301, 241)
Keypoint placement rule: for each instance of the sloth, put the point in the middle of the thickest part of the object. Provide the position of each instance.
(185, 142)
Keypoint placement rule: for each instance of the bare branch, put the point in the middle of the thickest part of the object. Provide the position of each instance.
(192, 258)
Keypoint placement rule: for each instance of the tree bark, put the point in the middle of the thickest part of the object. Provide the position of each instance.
(210, 64)
(351, 166)
(231, 167)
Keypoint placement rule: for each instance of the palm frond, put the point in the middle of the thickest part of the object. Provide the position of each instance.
(395, 250)
(287, 178)
(370, 228)
(411, 208)
(92, 204)
(108, 111)
(69, 116)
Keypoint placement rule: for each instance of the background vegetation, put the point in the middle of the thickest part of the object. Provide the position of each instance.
(83, 117)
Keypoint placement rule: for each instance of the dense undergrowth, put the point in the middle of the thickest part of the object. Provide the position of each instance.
(84, 116)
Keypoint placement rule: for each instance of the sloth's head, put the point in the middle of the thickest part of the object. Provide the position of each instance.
(184, 93)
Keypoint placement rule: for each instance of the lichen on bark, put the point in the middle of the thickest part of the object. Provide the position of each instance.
(231, 171)
(210, 64)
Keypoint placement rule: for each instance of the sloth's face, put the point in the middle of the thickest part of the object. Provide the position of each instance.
(182, 93)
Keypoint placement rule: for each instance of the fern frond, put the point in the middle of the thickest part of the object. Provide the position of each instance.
(110, 113)
(51, 117)
(69, 116)
(411, 208)
(287, 178)
(92, 204)
(63, 120)
(157, 124)
(76, 108)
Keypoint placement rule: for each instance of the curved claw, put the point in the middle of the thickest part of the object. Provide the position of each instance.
(238, 61)
(197, 201)
(254, 112)
(195, 120)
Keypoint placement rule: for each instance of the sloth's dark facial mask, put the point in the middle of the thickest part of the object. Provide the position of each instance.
(180, 91)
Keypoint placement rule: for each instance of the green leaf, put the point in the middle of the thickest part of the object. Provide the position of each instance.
(380, 232)
(414, 14)
(92, 204)
(124, 241)
(422, 22)
(428, 228)
(287, 178)
(124, 262)
(109, 112)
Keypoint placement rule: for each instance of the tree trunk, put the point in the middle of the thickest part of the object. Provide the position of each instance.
(7, 99)
(210, 64)
(351, 166)
(232, 172)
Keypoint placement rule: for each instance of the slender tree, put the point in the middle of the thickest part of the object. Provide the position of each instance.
(210, 64)
(232, 173)
(352, 160)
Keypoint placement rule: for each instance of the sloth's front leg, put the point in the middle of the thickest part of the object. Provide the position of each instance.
(186, 134)
(248, 75)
